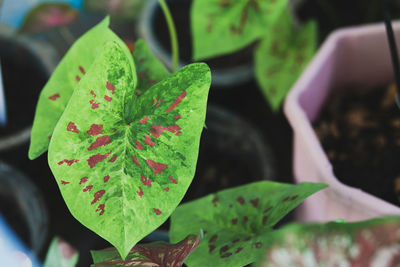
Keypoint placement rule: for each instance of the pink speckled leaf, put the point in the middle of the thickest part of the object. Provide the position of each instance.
(370, 243)
(122, 162)
(156, 254)
(235, 220)
(61, 254)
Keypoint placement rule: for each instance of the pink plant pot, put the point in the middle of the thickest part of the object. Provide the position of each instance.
(351, 57)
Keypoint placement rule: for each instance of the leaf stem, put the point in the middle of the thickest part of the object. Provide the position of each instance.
(172, 33)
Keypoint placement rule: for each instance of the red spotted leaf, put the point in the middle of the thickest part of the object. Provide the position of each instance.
(370, 243)
(152, 254)
(235, 220)
(127, 164)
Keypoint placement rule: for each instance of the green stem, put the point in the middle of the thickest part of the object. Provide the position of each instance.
(172, 33)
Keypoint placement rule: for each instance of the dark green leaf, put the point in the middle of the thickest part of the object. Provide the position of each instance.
(122, 162)
(281, 57)
(152, 254)
(370, 243)
(223, 26)
(235, 220)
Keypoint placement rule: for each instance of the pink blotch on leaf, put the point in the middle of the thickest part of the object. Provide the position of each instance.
(144, 120)
(156, 131)
(258, 244)
(94, 104)
(100, 141)
(95, 129)
(138, 145)
(134, 159)
(113, 158)
(177, 117)
(211, 248)
(240, 200)
(67, 252)
(226, 255)
(238, 250)
(82, 70)
(107, 98)
(77, 78)
(64, 182)
(215, 201)
(264, 220)
(155, 166)
(142, 75)
(140, 192)
(177, 101)
(97, 196)
(152, 82)
(234, 221)
(245, 219)
(141, 60)
(83, 180)
(173, 180)
(166, 189)
(294, 197)
(157, 211)
(92, 93)
(87, 188)
(68, 162)
(254, 202)
(159, 102)
(54, 97)
(213, 238)
(106, 178)
(93, 160)
(71, 127)
(224, 249)
(285, 199)
(49, 136)
(110, 87)
(148, 141)
(145, 181)
(268, 209)
(100, 208)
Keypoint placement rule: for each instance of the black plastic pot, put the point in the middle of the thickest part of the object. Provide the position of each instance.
(23, 208)
(152, 28)
(232, 153)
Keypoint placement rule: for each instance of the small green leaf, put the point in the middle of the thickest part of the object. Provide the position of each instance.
(223, 26)
(58, 90)
(235, 220)
(61, 254)
(148, 68)
(370, 243)
(45, 16)
(281, 57)
(152, 254)
(122, 162)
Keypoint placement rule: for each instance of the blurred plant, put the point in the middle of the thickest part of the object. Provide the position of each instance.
(119, 9)
(370, 243)
(48, 15)
(220, 27)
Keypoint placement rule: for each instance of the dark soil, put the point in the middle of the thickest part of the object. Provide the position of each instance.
(360, 133)
(180, 10)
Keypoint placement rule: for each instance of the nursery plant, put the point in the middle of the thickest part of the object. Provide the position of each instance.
(220, 27)
(122, 136)
(368, 243)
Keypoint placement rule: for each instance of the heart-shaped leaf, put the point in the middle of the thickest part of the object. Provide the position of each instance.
(58, 90)
(281, 57)
(156, 254)
(223, 26)
(48, 15)
(370, 243)
(148, 68)
(61, 254)
(122, 162)
(235, 220)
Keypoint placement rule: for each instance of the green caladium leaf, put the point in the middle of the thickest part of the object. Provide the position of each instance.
(370, 243)
(281, 57)
(148, 68)
(61, 254)
(223, 26)
(122, 162)
(235, 220)
(156, 254)
(58, 90)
